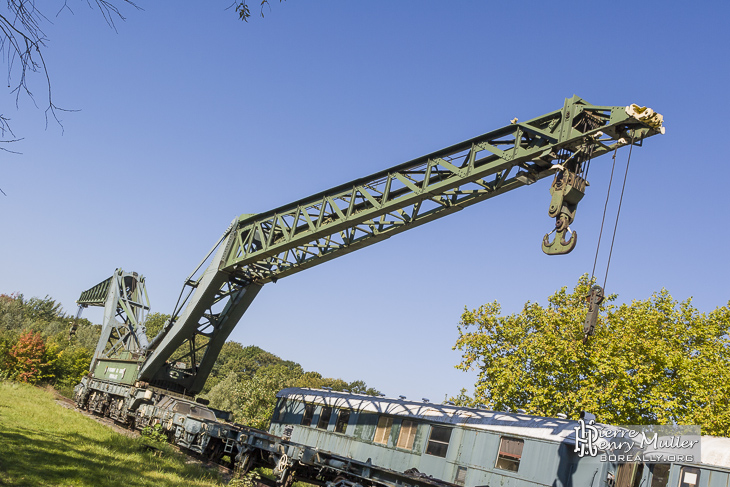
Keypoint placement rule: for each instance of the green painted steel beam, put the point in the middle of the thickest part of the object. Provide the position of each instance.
(95, 296)
(308, 232)
(257, 249)
(125, 302)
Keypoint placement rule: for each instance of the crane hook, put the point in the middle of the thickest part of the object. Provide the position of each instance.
(566, 192)
(559, 245)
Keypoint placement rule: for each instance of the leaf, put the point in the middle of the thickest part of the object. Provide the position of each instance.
(652, 361)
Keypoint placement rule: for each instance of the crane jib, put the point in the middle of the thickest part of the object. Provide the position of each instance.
(262, 248)
(297, 236)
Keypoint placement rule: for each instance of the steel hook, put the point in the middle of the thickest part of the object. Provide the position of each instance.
(559, 246)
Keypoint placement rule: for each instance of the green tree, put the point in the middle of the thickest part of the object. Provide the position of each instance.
(35, 344)
(154, 323)
(245, 381)
(12, 312)
(360, 387)
(70, 365)
(245, 362)
(251, 400)
(656, 361)
(315, 380)
(46, 309)
(6, 360)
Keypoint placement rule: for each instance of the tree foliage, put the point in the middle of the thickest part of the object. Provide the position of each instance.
(27, 357)
(251, 400)
(154, 323)
(245, 381)
(657, 361)
(35, 344)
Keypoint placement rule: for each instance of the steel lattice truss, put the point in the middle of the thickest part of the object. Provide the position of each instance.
(365, 211)
(189, 356)
(184, 353)
(124, 297)
(257, 249)
(97, 295)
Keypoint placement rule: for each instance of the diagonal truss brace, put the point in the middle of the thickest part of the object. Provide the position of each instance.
(257, 249)
(125, 302)
(298, 236)
(183, 354)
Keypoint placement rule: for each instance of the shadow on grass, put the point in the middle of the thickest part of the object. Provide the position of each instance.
(34, 459)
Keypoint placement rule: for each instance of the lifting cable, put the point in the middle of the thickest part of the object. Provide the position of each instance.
(603, 220)
(597, 292)
(618, 212)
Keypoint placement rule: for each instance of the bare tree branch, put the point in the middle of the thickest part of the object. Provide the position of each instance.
(4, 149)
(22, 41)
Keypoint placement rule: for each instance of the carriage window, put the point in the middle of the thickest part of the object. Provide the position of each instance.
(510, 453)
(407, 434)
(382, 432)
(308, 414)
(659, 474)
(324, 417)
(438, 442)
(460, 477)
(689, 477)
(279, 411)
(343, 417)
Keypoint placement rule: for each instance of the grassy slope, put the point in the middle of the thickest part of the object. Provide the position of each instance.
(44, 444)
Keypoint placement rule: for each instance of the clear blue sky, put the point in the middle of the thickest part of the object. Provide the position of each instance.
(189, 117)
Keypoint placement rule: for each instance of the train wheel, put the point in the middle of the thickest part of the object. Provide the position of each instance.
(81, 400)
(215, 451)
(244, 465)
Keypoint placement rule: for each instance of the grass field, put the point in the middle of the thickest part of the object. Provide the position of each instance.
(45, 444)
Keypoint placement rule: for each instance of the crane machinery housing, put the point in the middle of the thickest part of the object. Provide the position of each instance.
(137, 379)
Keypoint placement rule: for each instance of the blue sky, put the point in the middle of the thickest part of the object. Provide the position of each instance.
(189, 117)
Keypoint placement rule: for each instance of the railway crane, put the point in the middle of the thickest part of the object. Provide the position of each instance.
(131, 372)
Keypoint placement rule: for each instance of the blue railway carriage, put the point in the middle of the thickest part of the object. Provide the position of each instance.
(359, 439)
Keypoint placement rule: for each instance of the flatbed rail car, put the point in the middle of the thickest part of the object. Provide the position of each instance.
(396, 442)
(187, 423)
